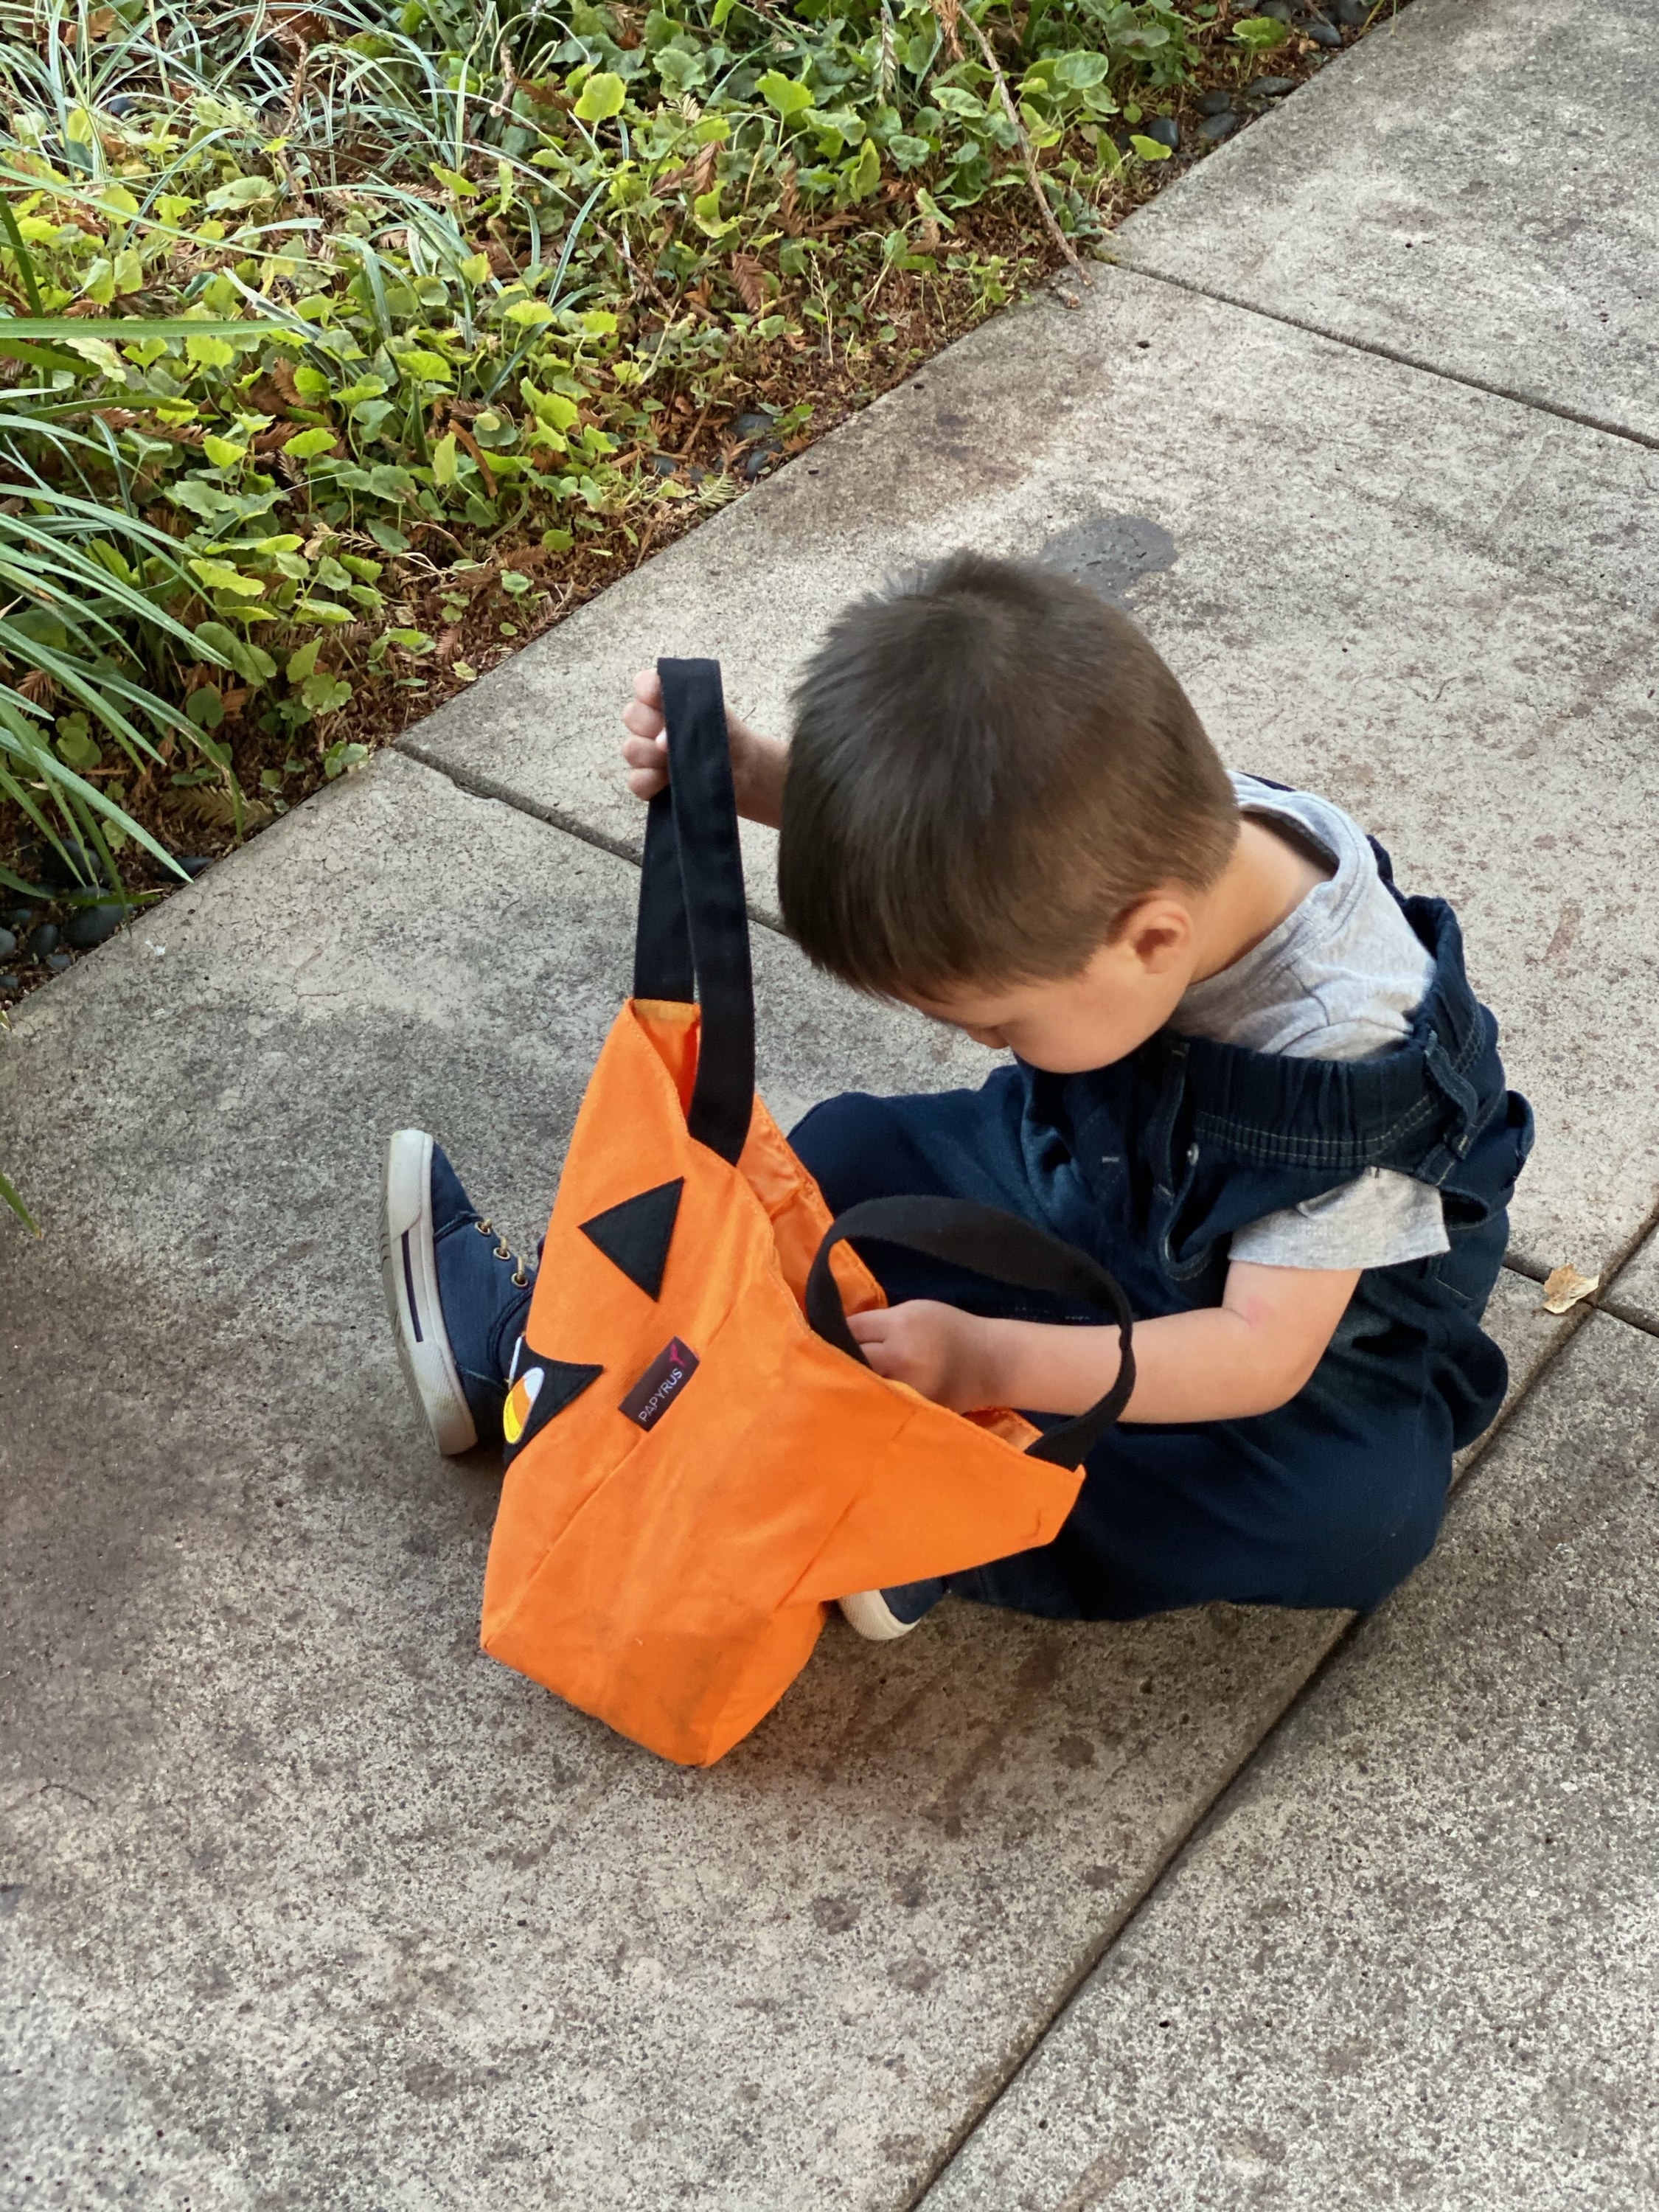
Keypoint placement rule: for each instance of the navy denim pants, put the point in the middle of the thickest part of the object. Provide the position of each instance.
(1149, 1165)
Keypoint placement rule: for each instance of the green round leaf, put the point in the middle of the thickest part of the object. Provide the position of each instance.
(1260, 33)
(75, 743)
(309, 443)
(784, 93)
(601, 97)
(429, 367)
(220, 576)
(241, 193)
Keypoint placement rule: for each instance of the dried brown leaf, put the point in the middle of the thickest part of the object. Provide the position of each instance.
(750, 280)
(469, 444)
(1564, 1286)
(211, 808)
(294, 25)
(276, 393)
(789, 205)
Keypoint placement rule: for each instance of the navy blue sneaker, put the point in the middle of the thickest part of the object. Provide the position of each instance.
(882, 1614)
(457, 1295)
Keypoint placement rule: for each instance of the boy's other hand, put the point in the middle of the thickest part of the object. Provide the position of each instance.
(646, 746)
(937, 1349)
(758, 762)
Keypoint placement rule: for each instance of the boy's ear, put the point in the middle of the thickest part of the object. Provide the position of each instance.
(1156, 931)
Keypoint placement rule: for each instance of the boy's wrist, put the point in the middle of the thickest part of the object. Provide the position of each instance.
(1043, 1367)
(992, 1353)
(758, 765)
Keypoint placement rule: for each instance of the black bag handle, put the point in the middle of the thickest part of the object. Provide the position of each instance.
(693, 928)
(994, 1243)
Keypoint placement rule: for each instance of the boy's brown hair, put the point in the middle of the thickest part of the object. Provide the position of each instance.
(990, 765)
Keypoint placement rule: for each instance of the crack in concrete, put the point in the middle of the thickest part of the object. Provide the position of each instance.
(1538, 406)
(487, 786)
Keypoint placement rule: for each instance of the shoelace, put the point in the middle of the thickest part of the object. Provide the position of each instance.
(485, 1227)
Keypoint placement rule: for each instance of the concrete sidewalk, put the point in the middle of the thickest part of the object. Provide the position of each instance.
(295, 1878)
(1410, 1959)
(1474, 191)
(305, 1902)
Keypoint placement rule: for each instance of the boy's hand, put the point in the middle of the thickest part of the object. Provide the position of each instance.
(936, 1349)
(757, 763)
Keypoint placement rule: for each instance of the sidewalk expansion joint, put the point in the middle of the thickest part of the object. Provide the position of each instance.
(1602, 1301)
(1631, 1316)
(1530, 399)
(486, 786)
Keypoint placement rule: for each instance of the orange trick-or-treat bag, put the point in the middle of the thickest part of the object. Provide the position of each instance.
(699, 1460)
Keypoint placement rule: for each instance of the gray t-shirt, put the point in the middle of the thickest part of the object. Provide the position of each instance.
(1339, 979)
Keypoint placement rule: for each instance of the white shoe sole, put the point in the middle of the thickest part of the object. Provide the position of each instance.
(870, 1614)
(408, 1271)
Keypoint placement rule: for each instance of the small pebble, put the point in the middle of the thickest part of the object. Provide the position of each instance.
(1272, 88)
(1351, 12)
(1166, 130)
(761, 458)
(43, 941)
(74, 866)
(9, 987)
(664, 464)
(1280, 10)
(1217, 126)
(8, 945)
(1323, 34)
(95, 923)
(752, 426)
(20, 919)
(57, 961)
(1216, 101)
(194, 864)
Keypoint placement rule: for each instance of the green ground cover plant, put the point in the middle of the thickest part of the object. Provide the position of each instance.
(344, 346)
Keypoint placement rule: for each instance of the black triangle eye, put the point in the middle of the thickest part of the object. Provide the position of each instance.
(636, 1235)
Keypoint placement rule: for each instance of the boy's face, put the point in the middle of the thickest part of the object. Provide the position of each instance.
(1122, 996)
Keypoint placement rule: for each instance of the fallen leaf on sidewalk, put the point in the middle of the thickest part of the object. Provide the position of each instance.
(1564, 1286)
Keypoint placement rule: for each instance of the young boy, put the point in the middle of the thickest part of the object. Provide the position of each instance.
(1247, 1078)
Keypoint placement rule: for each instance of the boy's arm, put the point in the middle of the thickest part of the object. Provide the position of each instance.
(758, 762)
(1252, 1353)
